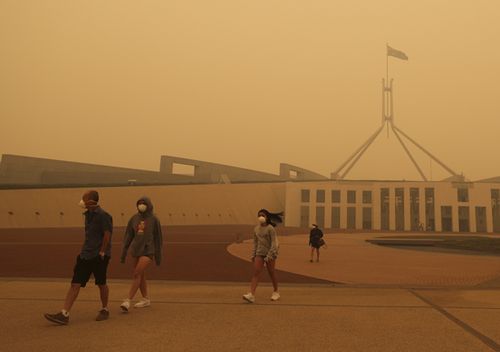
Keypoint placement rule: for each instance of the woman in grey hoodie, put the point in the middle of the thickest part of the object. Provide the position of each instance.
(143, 236)
(265, 252)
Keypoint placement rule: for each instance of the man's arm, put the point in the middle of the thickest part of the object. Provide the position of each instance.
(108, 228)
(105, 243)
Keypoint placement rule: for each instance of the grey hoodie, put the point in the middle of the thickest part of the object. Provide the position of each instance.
(143, 234)
(265, 242)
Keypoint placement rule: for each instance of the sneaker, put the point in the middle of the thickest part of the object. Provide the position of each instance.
(103, 315)
(58, 318)
(125, 305)
(249, 297)
(275, 296)
(145, 302)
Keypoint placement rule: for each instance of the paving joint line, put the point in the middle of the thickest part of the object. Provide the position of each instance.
(476, 333)
(241, 303)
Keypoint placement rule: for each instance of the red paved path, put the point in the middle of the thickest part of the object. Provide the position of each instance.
(194, 253)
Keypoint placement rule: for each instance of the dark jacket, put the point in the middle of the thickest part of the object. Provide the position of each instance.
(314, 236)
(143, 234)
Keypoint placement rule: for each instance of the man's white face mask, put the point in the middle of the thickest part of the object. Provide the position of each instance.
(81, 204)
(142, 207)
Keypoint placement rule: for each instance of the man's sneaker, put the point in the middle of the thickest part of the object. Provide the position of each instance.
(144, 302)
(58, 318)
(125, 305)
(249, 297)
(275, 296)
(103, 315)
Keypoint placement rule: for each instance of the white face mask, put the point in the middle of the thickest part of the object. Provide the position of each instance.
(142, 207)
(81, 204)
(262, 219)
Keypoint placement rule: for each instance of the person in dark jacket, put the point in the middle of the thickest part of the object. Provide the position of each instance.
(144, 238)
(315, 241)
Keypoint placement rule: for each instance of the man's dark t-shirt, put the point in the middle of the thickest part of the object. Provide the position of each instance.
(97, 221)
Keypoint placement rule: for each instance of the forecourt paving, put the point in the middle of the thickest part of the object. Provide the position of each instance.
(197, 316)
(351, 260)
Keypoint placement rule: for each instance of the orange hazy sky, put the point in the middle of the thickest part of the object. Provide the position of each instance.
(251, 83)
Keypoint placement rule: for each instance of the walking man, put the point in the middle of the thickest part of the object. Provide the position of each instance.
(93, 258)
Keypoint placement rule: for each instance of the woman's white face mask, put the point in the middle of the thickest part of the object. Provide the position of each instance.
(81, 204)
(142, 208)
(262, 219)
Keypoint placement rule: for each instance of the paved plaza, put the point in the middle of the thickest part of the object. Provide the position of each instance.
(188, 316)
(350, 259)
(359, 297)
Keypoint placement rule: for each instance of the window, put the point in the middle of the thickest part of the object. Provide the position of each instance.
(351, 196)
(305, 195)
(351, 218)
(384, 209)
(183, 169)
(304, 216)
(446, 219)
(415, 209)
(335, 217)
(367, 197)
(463, 219)
(336, 196)
(400, 209)
(429, 210)
(481, 219)
(367, 218)
(463, 194)
(495, 208)
(320, 196)
(320, 217)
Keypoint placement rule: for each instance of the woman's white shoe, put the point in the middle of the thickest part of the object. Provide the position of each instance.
(249, 297)
(125, 305)
(275, 296)
(144, 302)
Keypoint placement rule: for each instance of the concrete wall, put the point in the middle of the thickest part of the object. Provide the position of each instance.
(22, 170)
(300, 174)
(238, 203)
(207, 172)
(175, 205)
(18, 170)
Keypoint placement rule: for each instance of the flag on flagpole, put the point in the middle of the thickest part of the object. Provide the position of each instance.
(396, 53)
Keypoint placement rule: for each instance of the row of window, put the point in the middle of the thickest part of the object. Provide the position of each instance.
(462, 195)
(367, 219)
(335, 196)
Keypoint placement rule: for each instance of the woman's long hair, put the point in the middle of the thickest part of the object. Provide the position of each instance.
(272, 219)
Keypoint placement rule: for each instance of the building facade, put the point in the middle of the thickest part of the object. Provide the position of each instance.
(333, 205)
(395, 206)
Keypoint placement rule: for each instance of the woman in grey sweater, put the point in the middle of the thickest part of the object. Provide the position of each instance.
(143, 236)
(265, 252)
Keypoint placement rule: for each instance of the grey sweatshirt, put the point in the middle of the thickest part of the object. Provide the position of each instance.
(265, 242)
(143, 234)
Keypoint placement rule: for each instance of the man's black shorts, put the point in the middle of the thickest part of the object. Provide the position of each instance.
(86, 267)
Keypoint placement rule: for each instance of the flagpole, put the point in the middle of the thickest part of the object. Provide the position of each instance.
(386, 83)
(386, 63)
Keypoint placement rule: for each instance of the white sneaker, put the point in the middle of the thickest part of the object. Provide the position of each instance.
(249, 297)
(275, 296)
(144, 302)
(125, 305)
